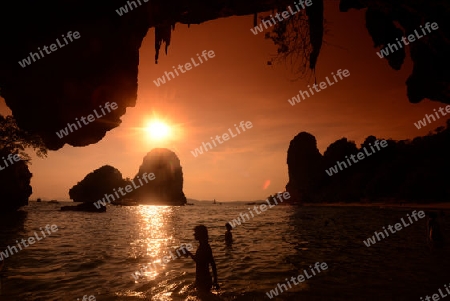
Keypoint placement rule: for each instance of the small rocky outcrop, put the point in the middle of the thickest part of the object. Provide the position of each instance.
(94, 186)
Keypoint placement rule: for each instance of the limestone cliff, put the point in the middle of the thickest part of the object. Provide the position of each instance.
(305, 164)
(167, 187)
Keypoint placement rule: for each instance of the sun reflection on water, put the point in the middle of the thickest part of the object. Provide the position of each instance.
(153, 240)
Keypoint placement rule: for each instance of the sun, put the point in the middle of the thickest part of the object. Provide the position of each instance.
(157, 130)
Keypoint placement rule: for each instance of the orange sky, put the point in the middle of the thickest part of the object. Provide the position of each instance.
(237, 85)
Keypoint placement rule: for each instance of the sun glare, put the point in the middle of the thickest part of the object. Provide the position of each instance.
(157, 130)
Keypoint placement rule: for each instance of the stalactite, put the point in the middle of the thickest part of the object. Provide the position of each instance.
(162, 34)
(315, 21)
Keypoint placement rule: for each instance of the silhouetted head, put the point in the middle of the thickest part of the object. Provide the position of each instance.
(228, 226)
(201, 233)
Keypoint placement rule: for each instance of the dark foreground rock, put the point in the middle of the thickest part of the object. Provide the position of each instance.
(102, 64)
(15, 188)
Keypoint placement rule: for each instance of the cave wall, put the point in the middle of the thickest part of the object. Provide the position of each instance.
(102, 65)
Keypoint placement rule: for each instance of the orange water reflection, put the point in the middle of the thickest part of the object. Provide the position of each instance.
(154, 238)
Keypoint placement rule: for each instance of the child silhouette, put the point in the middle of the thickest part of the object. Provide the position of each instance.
(203, 258)
(228, 235)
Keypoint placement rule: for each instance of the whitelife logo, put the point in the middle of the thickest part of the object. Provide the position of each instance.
(300, 278)
(128, 189)
(164, 260)
(360, 156)
(90, 118)
(27, 61)
(225, 137)
(123, 10)
(30, 240)
(411, 38)
(237, 221)
(323, 85)
(436, 296)
(10, 159)
(398, 227)
(188, 66)
(285, 14)
(423, 123)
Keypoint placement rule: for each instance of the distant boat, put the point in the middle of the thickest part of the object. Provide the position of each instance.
(190, 204)
(38, 200)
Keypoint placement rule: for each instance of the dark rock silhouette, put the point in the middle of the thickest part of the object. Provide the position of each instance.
(15, 188)
(94, 186)
(15, 177)
(73, 81)
(407, 170)
(100, 66)
(429, 78)
(339, 187)
(167, 187)
(304, 167)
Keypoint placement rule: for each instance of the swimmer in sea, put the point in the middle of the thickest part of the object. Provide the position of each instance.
(434, 234)
(203, 258)
(228, 235)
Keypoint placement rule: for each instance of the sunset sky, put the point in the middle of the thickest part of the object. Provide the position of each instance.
(237, 85)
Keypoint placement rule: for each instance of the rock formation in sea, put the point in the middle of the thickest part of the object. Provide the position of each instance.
(93, 187)
(167, 187)
(15, 177)
(304, 167)
(406, 170)
(102, 64)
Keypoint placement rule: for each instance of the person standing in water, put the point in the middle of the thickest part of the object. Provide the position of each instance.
(434, 234)
(203, 258)
(228, 235)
